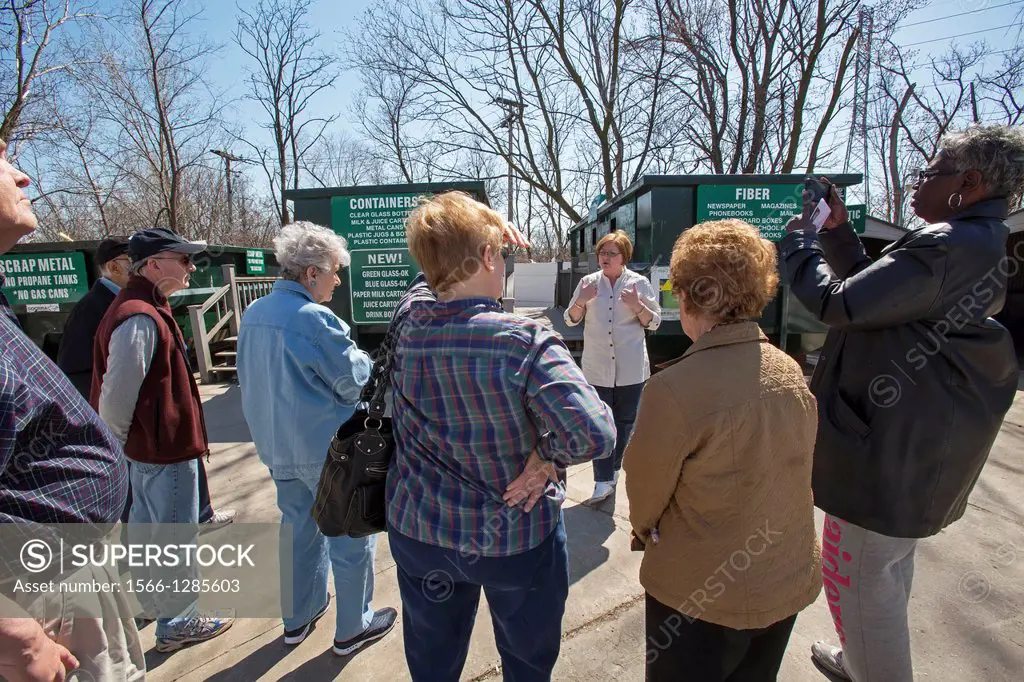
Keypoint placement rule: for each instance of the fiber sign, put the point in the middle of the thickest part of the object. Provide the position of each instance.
(382, 268)
(768, 208)
(44, 278)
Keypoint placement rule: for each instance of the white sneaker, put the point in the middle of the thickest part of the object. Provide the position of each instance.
(220, 518)
(830, 658)
(602, 491)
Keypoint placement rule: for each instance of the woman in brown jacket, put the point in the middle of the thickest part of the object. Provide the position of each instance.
(718, 473)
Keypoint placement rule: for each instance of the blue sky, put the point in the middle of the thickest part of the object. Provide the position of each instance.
(934, 24)
(330, 17)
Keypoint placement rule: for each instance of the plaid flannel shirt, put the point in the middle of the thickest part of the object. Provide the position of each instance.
(476, 390)
(59, 463)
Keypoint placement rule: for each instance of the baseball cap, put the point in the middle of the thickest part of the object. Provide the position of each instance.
(150, 242)
(110, 248)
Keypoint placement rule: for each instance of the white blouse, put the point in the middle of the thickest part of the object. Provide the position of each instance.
(614, 342)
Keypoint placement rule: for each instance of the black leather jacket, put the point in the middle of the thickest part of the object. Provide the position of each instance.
(915, 376)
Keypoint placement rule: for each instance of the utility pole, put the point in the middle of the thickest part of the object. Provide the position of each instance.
(857, 142)
(228, 158)
(513, 113)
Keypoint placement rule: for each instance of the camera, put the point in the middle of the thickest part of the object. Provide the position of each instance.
(819, 190)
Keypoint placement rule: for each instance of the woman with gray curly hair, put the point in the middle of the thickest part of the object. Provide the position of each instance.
(912, 384)
(301, 376)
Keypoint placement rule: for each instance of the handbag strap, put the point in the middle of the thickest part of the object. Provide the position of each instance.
(376, 387)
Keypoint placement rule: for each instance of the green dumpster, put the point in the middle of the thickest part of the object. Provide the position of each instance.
(657, 208)
(46, 279)
(372, 220)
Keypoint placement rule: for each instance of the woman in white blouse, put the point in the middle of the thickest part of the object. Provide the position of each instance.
(618, 306)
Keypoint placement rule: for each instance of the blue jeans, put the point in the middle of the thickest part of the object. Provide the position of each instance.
(351, 559)
(166, 494)
(205, 508)
(623, 401)
(440, 591)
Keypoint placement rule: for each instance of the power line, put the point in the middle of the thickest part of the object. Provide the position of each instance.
(960, 14)
(962, 35)
(986, 56)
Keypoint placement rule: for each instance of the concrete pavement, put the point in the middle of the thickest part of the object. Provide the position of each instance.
(966, 612)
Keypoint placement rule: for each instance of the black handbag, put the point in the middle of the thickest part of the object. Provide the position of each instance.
(350, 494)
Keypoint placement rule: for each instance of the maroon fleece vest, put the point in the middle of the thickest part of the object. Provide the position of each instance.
(168, 426)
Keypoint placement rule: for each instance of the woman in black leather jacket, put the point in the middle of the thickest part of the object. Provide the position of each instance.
(912, 384)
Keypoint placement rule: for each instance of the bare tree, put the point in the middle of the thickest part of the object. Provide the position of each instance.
(915, 104)
(288, 71)
(39, 46)
(557, 91)
(339, 161)
(34, 61)
(390, 107)
(1001, 92)
(767, 79)
(155, 109)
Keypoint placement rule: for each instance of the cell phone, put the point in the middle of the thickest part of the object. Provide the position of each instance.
(820, 214)
(819, 191)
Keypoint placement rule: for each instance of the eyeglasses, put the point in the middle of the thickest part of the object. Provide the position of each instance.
(608, 254)
(183, 259)
(926, 173)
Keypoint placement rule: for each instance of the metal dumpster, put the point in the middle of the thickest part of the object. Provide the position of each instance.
(657, 208)
(372, 220)
(46, 279)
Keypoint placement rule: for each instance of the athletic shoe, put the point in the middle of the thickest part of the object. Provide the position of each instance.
(382, 623)
(220, 518)
(296, 636)
(602, 491)
(197, 629)
(830, 659)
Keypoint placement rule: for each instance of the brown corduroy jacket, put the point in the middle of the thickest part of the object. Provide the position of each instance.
(719, 463)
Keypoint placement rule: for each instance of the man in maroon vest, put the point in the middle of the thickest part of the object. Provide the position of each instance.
(144, 390)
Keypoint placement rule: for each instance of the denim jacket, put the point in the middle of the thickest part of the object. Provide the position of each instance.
(300, 375)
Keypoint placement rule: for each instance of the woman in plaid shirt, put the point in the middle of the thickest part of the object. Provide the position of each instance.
(486, 405)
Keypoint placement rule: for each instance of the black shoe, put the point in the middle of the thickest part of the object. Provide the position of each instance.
(298, 635)
(383, 621)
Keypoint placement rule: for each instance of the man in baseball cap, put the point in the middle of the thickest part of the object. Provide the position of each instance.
(144, 389)
(148, 243)
(74, 356)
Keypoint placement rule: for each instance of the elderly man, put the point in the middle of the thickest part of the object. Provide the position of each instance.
(75, 356)
(144, 389)
(59, 463)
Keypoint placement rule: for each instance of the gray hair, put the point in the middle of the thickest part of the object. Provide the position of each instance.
(996, 151)
(302, 244)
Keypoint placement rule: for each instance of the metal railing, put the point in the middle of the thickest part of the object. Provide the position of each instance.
(228, 303)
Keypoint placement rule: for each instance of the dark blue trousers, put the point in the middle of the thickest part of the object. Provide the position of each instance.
(441, 591)
(624, 401)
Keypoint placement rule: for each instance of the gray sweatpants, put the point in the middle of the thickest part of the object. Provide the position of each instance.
(867, 580)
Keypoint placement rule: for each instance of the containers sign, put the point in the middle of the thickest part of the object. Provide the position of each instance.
(374, 226)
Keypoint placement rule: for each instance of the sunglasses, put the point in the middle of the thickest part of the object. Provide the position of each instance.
(508, 251)
(183, 258)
